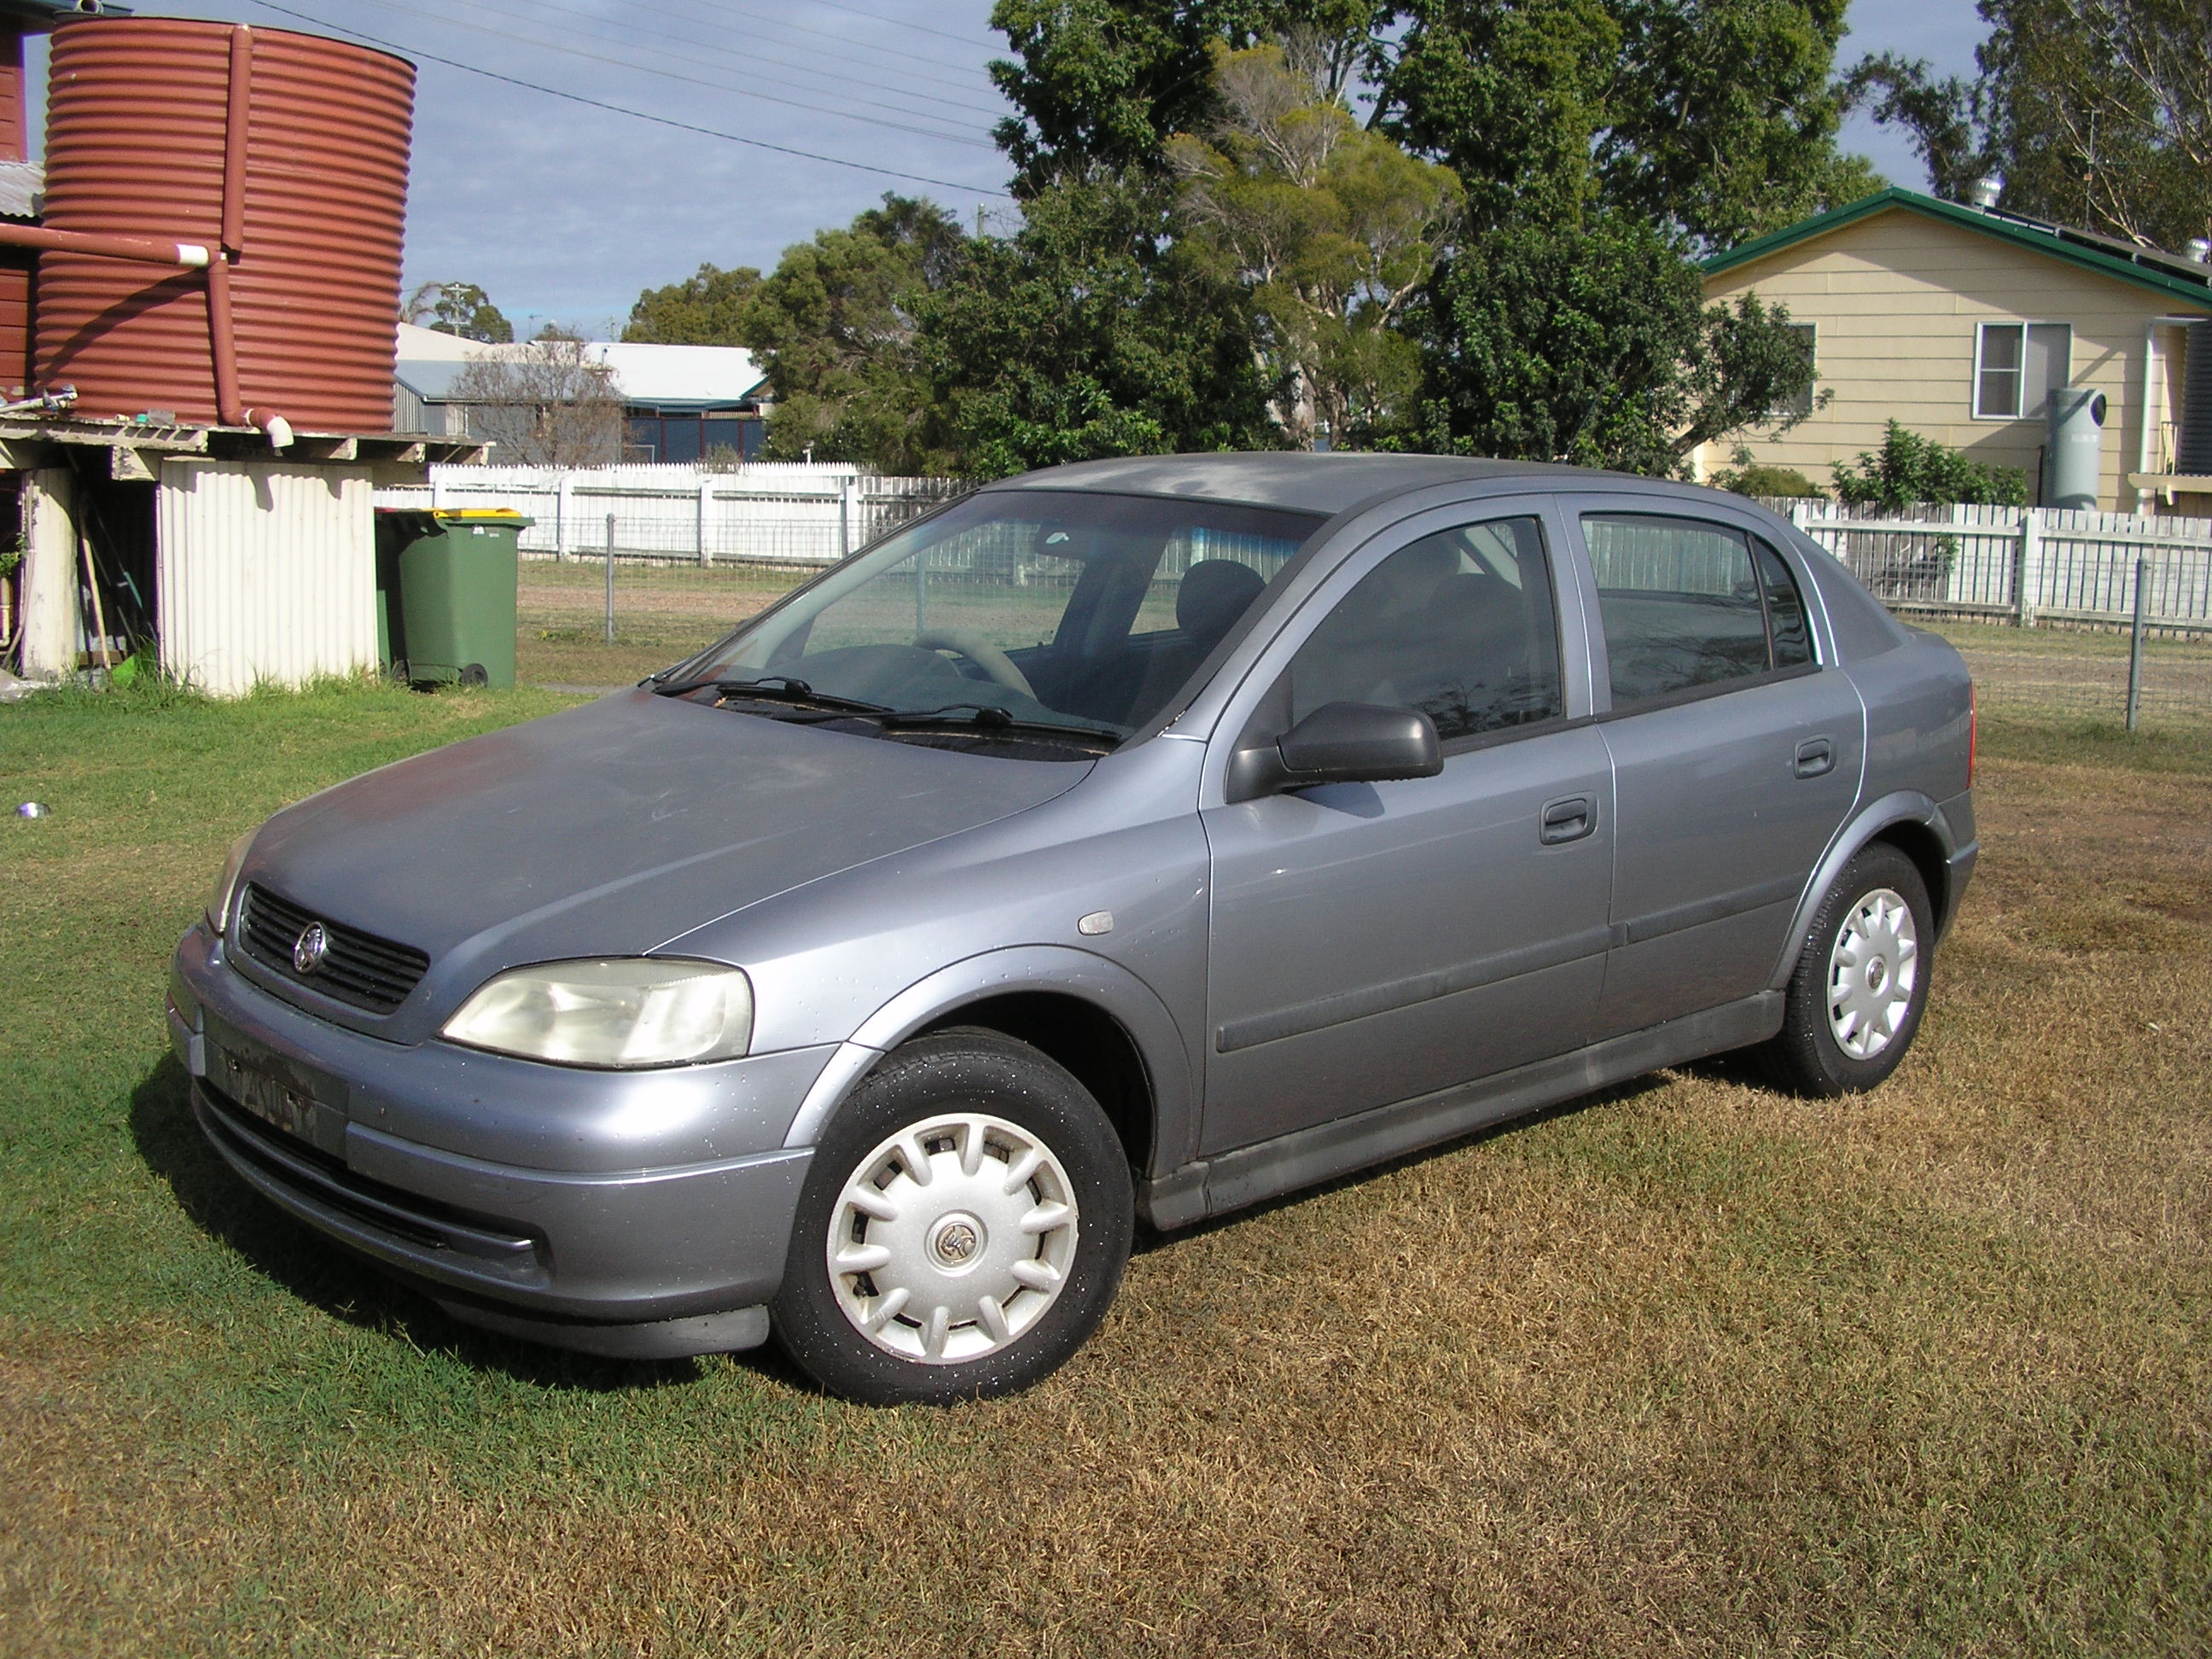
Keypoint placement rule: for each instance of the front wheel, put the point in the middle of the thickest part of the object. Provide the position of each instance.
(1861, 985)
(963, 1229)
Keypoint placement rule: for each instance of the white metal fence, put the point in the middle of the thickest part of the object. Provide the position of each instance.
(629, 569)
(765, 513)
(2021, 565)
(2036, 599)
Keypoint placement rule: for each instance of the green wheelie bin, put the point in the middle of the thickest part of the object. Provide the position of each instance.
(454, 572)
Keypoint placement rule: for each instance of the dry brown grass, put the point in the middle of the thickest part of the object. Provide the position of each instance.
(663, 613)
(1690, 1370)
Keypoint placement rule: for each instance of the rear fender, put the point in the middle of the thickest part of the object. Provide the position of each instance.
(1905, 806)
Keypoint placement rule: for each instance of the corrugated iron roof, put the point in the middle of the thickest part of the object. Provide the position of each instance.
(2168, 273)
(667, 376)
(22, 184)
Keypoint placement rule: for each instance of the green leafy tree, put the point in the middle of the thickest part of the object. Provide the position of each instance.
(2093, 112)
(1331, 228)
(1091, 332)
(1102, 84)
(705, 309)
(1512, 97)
(1717, 117)
(1591, 344)
(833, 326)
(461, 309)
(1909, 470)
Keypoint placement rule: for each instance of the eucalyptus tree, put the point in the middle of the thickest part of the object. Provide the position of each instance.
(1333, 229)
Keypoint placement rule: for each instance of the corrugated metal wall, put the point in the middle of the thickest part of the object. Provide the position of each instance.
(265, 572)
(51, 631)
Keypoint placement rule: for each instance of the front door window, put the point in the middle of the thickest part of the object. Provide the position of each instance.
(1459, 625)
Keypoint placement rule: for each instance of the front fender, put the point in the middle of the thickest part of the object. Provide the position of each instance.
(1902, 806)
(1057, 969)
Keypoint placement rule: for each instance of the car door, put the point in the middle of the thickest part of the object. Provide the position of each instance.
(1371, 943)
(1736, 757)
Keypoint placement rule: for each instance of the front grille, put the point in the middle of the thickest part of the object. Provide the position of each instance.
(358, 969)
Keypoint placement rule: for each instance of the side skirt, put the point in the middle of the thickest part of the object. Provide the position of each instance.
(1268, 1168)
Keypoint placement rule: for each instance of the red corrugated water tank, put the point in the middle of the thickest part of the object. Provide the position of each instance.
(285, 152)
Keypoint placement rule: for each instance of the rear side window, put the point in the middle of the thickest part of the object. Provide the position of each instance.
(1785, 609)
(1458, 624)
(1687, 604)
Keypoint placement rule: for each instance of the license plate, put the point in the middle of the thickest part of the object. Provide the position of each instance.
(269, 1098)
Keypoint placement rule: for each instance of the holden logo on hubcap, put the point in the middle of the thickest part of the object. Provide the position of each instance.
(310, 948)
(957, 1240)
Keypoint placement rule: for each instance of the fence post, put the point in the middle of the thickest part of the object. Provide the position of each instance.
(563, 510)
(706, 506)
(2135, 645)
(610, 579)
(2027, 573)
(848, 491)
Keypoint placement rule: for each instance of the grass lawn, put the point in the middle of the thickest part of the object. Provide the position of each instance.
(2074, 674)
(1689, 1369)
(663, 613)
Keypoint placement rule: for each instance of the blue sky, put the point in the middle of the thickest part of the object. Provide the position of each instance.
(565, 210)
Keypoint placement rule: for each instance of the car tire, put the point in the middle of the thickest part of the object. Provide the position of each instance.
(984, 1277)
(1856, 995)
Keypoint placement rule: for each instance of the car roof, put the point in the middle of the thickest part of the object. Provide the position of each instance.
(1301, 481)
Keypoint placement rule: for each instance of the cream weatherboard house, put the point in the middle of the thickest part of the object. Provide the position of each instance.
(1958, 321)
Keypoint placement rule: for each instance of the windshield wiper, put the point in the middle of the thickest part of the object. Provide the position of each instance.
(990, 717)
(777, 687)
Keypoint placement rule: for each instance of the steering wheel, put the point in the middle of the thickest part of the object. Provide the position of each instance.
(966, 642)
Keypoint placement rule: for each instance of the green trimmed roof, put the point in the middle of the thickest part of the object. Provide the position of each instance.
(2163, 273)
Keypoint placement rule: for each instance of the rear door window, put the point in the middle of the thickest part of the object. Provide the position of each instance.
(1688, 606)
(1785, 609)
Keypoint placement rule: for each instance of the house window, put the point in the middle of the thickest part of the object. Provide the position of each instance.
(683, 439)
(1800, 402)
(2017, 365)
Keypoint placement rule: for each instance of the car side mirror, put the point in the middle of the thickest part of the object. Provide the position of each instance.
(1340, 743)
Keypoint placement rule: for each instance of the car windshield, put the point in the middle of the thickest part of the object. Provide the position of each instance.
(1025, 608)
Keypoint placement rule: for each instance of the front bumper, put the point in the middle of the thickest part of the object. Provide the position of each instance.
(656, 1258)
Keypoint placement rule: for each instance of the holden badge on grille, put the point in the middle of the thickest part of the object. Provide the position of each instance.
(309, 949)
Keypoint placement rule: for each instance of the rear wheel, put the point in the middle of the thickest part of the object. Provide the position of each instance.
(963, 1230)
(1861, 985)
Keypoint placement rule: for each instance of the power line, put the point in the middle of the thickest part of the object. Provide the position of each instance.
(924, 28)
(938, 133)
(718, 11)
(838, 78)
(620, 109)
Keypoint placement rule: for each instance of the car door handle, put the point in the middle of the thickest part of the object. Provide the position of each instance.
(1814, 756)
(1570, 819)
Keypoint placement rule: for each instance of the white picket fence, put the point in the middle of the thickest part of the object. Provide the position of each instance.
(767, 512)
(2022, 565)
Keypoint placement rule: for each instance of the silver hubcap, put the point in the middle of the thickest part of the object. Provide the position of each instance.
(1871, 973)
(952, 1238)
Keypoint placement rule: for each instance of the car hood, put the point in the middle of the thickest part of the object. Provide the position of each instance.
(613, 828)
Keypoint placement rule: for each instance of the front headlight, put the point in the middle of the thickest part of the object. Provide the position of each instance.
(226, 885)
(643, 1011)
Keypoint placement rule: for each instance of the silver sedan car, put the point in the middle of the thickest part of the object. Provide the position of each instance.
(1140, 839)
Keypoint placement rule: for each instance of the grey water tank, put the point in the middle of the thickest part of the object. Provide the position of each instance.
(2077, 454)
